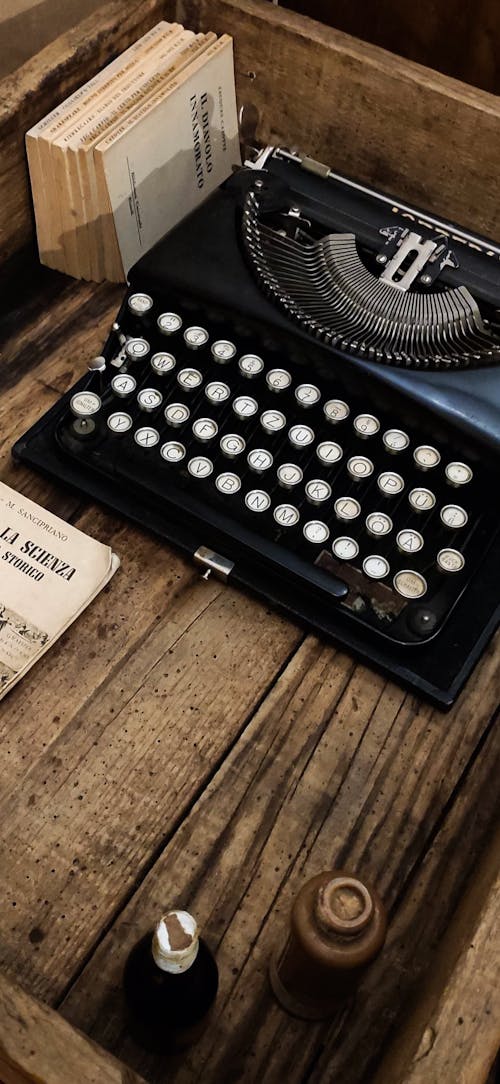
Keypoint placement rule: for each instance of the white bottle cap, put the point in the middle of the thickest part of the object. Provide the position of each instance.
(175, 942)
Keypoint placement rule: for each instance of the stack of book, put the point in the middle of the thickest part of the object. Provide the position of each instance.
(129, 154)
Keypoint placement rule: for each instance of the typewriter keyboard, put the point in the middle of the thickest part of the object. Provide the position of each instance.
(347, 493)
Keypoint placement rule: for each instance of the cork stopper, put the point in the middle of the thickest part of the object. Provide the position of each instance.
(343, 906)
(175, 942)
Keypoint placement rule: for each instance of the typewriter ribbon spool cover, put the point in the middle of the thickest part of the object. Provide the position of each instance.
(311, 408)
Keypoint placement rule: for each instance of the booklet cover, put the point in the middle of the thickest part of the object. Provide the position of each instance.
(49, 573)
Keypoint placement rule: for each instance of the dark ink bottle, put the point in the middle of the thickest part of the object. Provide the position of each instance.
(170, 984)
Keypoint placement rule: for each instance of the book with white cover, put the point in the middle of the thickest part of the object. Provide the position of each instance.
(49, 572)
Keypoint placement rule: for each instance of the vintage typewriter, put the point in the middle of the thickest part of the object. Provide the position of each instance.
(302, 390)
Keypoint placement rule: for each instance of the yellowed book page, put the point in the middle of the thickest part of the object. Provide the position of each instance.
(49, 573)
(50, 126)
(177, 148)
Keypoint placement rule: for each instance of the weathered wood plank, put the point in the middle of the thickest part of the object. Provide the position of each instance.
(38, 1047)
(412, 132)
(336, 767)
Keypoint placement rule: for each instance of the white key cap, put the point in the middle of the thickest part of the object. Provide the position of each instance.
(189, 379)
(231, 445)
(149, 399)
(300, 435)
(345, 548)
(335, 410)
(136, 349)
(286, 515)
(409, 584)
(257, 500)
(318, 491)
(200, 467)
(329, 452)
(176, 413)
(409, 541)
(173, 451)
(85, 403)
(421, 500)
(366, 425)
(228, 483)
(378, 524)
(259, 460)
(195, 337)
(426, 457)
(316, 531)
(375, 566)
(289, 475)
(395, 440)
(146, 437)
(307, 395)
(162, 362)
(390, 483)
(139, 304)
(222, 351)
(458, 474)
(278, 379)
(272, 421)
(168, 323)
(119, 422)
(205, 429)
(347, 508)
(359, 467)
(452, 515)
(450, 560)
(250, 365)
(123, 385)
(217, 392)
(244, 406)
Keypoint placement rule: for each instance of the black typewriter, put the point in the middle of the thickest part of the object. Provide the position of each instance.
(302, 390)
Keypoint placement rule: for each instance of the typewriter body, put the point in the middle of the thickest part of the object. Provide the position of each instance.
(302, 390)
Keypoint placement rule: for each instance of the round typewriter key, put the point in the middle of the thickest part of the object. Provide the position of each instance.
(195, 337)
(139, 304)
(335, 410)
(378, 524)
(200, 467)
(316, 531)
(426, 457)
(223, 351)
(146, 437)
(227, 482)
(217, 392)
(458, 474)
(345, 548)
(409, 541)
(452, 515)
(409, 584)
(450, 560)
(168, 323)
(286, 515)
(307, 395)
(250, 365)
(149, 399)
(366, 425)
(375, 566)
(176, 413)
(421, 500)
(85, 403)
(272, 421)
(347, 508)
(318, 491)
(244, 406)
(390, 484)
(289, 475)
(173, 451)
(257, 500)
(205, 429)
(162, 362)
(189, 379)
(136, 349)
(300, 435)
(259, 460)
(329, 452)
(395, 440)
(119, 422)
(231, 445)
(278, 379)
(359, 467)
(123, 385)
